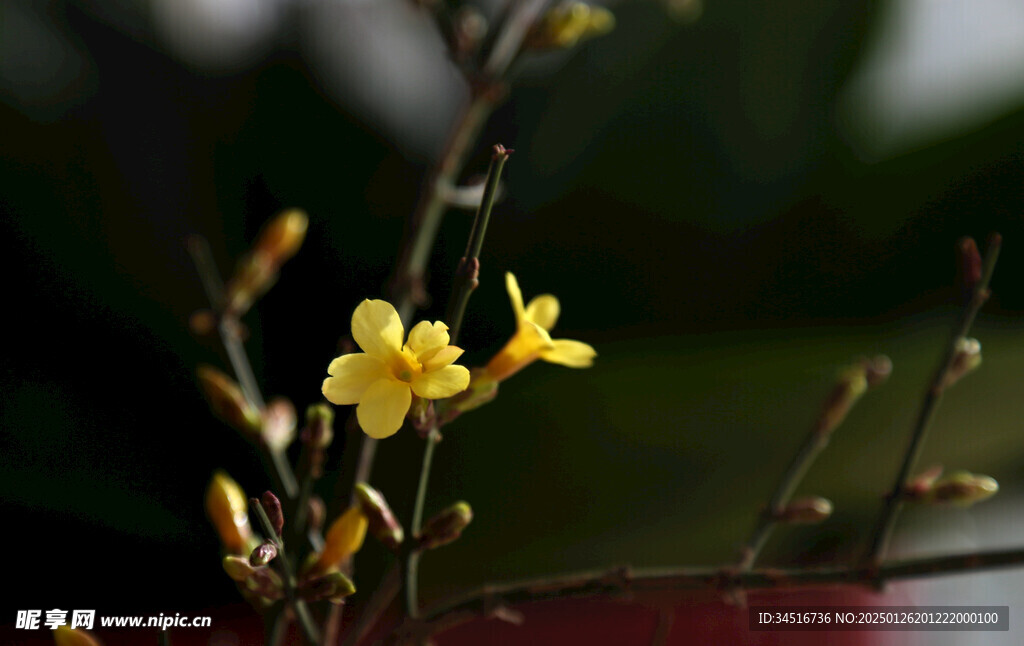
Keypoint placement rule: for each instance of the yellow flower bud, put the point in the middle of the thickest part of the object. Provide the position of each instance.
(568, 23)
(228, 403)
(281, 238)
(65, 636)
(343, 539)
(228, 510)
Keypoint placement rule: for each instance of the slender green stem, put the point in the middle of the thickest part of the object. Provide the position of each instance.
(466, 273)
(302, 613)
(412, 559)
(893, 504)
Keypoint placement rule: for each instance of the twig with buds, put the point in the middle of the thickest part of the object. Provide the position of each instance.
(976, 274)
(272, 530)
(852, 384)
(228, 326)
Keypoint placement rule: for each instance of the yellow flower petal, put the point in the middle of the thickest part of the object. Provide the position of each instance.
(383, 407)
(438, 384)
(444, 357)
(426, 339)
(351, 375)
(514, 295)
(344, 538)
(574, 354)
(521, 350)
(377, 329)
(543, 310)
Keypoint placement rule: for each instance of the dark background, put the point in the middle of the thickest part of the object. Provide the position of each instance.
(687, 190)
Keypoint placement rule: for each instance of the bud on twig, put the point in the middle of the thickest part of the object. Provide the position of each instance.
(805, 511)
(962, 488)
(263, 554)
(226, 506)
(851, 385)
(238, 568)
(319, 431)
(272, 506)
(382, 522)
(282, 237)
(446, 526)
(965, 361)
(279, 240)
(568, 23)
(278, 424)
(228, 403)
(334, 586)
(343, 539)
(877, 370)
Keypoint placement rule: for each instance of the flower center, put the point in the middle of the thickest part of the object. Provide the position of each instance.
(405, 375)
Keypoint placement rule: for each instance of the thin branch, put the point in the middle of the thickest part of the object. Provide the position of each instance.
(199, 248)
(483, 601)
(882, 533)
(302, 613)
(846, 392)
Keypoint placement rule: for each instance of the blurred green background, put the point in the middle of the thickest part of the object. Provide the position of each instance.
(721, 196)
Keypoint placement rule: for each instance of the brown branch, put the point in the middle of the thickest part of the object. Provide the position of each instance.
(613, 582)
(979, 293)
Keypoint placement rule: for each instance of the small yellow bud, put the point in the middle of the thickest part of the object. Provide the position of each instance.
(806, 511)
(962, 488)
(282, 237)
(446, 526)
(65, 636)
(228, 403)
(568, 23)
(343, 539)
(382, 522)
(228, 510)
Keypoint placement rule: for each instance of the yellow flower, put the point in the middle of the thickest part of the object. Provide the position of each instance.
(383, 378)
(532, 341)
